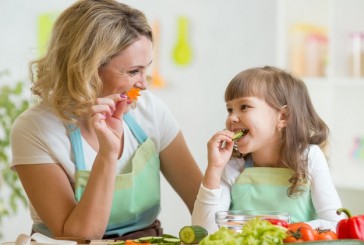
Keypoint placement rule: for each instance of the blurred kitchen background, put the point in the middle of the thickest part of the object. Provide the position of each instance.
(201, 45)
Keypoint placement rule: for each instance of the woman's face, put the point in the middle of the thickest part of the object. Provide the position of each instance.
(128, 69)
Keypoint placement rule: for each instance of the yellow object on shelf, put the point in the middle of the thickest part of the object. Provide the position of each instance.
(182, 53)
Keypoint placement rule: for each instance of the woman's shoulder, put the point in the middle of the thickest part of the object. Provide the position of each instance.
(39, 117)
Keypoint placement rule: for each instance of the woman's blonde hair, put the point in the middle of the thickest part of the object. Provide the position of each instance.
(84, 38)
(304, 127)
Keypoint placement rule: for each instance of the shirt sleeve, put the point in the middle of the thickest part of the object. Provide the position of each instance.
(324, 195)
(208, 202)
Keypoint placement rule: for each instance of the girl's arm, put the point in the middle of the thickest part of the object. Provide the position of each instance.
(214, 193)
(209, 202)
(324, 195)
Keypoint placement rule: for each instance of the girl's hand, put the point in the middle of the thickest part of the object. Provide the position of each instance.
(220, 148)
(107, 121)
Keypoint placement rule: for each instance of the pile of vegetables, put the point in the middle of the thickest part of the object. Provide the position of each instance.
(255, 231)
(259, 232)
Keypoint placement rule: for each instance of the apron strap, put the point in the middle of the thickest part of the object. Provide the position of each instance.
(76, 142)
(137, 131)
(248, 162)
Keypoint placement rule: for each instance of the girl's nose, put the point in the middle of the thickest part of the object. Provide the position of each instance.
(233, 117)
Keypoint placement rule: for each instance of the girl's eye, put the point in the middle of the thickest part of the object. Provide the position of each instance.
(133, 72)
(229, 110)
(244, 107)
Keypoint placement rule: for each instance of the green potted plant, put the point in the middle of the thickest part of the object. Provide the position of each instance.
(12, 103)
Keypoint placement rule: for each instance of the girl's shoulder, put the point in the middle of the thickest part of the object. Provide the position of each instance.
(316, 158)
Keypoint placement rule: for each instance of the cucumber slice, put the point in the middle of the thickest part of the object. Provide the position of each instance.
(169, 236)
(238, 135)
(146, 239)
(151, 239)
(192, 234)
(171, 240)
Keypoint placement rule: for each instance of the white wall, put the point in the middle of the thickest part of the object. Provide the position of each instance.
(226, 37)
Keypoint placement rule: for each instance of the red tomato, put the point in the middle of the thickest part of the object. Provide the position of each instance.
(294, 226)
(326, 235)
(307, 234)
(299, 232)
(292, 239)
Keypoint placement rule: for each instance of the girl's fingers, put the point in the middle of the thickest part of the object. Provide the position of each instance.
(222, 136)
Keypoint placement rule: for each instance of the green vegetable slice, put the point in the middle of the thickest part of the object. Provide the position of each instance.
(192, 234)
(238, 135)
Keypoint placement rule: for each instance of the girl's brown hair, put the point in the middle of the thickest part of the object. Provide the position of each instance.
(304, 127)
(84, 38)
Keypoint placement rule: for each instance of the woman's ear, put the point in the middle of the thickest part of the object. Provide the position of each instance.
(282, 117)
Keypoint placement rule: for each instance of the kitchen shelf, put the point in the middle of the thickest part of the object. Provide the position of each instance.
(337, 95)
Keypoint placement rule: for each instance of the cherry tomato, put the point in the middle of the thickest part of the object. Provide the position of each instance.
(278, 222)
(299, 232)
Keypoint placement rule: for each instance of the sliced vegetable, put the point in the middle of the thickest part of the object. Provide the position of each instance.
(192, 234)
(167, 240)
(238, 135)
(133, 94)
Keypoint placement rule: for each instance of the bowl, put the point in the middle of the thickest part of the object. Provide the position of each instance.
(235, 219)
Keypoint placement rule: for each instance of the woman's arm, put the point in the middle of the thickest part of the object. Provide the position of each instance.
(180, 170)
(50, 192)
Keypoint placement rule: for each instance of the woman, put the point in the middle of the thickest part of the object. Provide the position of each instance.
(88, 153)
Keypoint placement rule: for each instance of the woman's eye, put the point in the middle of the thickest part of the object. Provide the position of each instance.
(133, 72)
(229, 110)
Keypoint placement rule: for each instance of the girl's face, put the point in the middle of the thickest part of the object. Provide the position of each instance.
(262, 122)
(128, 69)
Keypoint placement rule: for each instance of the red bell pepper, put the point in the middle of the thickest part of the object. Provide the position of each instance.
(350, 228)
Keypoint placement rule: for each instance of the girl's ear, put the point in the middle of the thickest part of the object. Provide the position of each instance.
(282, 117)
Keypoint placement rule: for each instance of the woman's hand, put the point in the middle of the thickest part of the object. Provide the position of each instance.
(219, 148)
(107, 121)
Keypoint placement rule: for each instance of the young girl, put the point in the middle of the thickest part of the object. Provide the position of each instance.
(278, 164)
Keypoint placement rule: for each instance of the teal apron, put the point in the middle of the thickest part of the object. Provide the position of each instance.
(136, 200)
(265, 189)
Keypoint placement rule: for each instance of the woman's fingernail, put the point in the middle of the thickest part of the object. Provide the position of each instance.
(123, 96)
